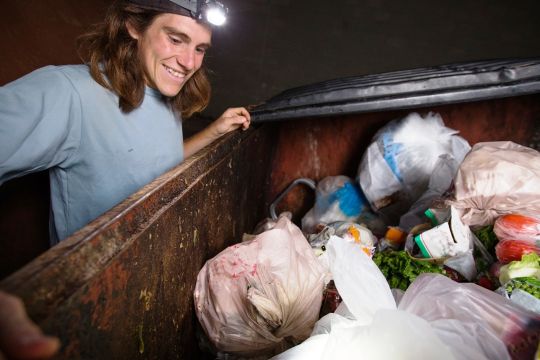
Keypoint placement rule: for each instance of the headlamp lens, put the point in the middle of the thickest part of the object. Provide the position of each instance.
(215, 15)
(213, 12)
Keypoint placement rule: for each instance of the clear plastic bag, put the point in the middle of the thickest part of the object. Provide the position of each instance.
(488, 319)
(396, 168)
(518, 227)
(261, 296)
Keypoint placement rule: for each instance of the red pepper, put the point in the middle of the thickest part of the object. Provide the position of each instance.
(511, 250)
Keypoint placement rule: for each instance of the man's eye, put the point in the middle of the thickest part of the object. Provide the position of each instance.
(201, 50)
(174, 40)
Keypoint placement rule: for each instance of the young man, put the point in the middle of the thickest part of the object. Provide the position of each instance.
(106, 128)
(109, 127)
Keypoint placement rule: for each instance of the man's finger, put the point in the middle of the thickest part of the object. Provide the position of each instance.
(19, 337)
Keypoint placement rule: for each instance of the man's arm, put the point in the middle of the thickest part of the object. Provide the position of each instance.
(231, 119)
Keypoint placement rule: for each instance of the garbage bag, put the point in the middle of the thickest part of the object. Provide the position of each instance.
(259, 297)
(396, 168)
(436, 317)
(497, 178)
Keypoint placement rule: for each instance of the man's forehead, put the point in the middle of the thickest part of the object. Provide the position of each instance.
(185, 26)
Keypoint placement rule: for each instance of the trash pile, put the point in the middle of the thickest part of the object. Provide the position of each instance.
(431, 251)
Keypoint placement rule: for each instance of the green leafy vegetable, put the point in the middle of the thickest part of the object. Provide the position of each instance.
(529, 266)
(400, 270)
(487, 237)
(528, 284)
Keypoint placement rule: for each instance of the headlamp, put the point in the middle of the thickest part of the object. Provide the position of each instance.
(211, 11)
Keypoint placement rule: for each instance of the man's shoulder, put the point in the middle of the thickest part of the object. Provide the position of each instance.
(77, 74)
(53, 76)
(82, 81)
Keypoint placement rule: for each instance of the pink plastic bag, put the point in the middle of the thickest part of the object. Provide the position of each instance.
(497, 178)
(260, 297)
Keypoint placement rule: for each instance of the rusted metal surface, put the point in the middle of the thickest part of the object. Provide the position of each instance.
(121, 288)
(320, 147)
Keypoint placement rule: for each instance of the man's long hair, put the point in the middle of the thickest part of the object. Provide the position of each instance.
(112, 55)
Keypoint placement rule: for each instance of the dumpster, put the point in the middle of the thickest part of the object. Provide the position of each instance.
(122, 287)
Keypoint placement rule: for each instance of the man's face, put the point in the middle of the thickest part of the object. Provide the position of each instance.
(171, 50)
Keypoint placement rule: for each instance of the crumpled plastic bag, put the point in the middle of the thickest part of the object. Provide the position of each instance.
(339, 198)
(440, 181)
(262, 296)
(497, 178)
(396, 167)
(437, 318)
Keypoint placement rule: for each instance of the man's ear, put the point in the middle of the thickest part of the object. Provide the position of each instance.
(131, 30)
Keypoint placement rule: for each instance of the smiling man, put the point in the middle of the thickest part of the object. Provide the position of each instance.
(106, 128)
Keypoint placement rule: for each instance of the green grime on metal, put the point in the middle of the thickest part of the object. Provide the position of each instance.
(195, 236)
(141, 341)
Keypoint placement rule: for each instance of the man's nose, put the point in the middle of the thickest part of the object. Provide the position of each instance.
(186, 59)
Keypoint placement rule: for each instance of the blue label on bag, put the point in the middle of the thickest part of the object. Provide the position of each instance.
(350, 198)
(391, 150)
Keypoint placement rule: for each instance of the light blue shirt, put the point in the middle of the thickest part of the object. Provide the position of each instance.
(59, 118)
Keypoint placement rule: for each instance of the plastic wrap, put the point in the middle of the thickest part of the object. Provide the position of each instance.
(516, 226)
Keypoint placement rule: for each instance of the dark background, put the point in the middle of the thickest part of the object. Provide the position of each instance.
(271, 45)
(268, 46)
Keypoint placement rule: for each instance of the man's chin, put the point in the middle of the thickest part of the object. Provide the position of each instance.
(169, 91)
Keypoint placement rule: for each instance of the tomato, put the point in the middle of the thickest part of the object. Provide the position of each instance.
(516, 226)
(510, 250)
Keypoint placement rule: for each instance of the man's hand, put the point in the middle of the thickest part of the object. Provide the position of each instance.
(230, 120)
(20, 338)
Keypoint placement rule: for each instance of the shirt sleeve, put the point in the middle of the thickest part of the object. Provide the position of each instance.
(40, 123)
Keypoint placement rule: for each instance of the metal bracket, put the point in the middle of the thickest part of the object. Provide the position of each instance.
(310, 183)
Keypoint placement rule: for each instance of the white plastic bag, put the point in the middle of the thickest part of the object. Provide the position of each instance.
(462, 322)
(396, 167)
(497, 178)
(369, 325)
(262, 296)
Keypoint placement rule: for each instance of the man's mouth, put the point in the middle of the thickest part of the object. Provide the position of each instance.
(174, 73)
